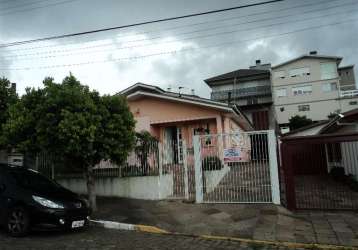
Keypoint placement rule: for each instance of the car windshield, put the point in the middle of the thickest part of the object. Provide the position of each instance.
(34, 181)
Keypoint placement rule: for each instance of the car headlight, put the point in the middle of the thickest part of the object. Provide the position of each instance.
(47, 203)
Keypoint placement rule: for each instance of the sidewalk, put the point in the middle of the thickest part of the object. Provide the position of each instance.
(259, 222)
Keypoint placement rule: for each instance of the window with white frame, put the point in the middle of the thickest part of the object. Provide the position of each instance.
(279, 74)
(300, 72)
(281, 92)
(329, 87)
(303, 108)
(328, 70)
(302, 90)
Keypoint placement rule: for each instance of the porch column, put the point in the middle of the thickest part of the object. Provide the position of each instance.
(219, 126)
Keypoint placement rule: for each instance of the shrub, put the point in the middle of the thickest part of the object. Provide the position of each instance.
(212, 163)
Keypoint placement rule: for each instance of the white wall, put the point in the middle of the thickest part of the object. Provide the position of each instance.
(350, 158)
(146, 187)
(213, 178)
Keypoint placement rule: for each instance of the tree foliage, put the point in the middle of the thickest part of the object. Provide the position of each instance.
(70, 121)
(296, 122)
(8, 97)
(146, 145)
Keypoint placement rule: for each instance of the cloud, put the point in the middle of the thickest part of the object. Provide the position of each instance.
(187, 69)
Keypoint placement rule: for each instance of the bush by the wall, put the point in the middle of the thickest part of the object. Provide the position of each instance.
(212, 163)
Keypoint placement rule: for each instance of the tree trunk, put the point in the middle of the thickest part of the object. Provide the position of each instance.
(91, 191)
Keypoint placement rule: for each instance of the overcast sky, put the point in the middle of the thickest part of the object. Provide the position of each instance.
(266, 32)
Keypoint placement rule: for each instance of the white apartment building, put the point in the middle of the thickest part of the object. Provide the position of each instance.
(312, 85)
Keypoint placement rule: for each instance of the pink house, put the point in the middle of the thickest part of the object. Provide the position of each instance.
(173, 117)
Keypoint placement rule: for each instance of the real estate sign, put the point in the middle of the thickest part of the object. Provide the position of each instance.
(236, 154)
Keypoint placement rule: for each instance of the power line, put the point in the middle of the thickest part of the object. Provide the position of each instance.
(138, 24)
(185, 39)
(184, 26)
(37, 7)
(183, 50)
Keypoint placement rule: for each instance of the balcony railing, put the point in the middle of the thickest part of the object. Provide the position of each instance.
(349, 93)
(242, 93)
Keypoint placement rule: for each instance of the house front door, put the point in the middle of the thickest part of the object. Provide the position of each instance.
(173, 149)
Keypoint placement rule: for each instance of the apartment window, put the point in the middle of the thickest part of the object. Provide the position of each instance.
(279, 74)
(328, 87)
(252, 101)
(302, 90)
(353, 103)
(300, 72)
(328, 70)
(303, 108)
(281, 93)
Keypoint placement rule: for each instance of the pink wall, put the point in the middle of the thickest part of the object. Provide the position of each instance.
(159, 110)
(154, 114)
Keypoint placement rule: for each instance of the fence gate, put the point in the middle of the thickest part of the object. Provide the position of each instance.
(321, 172)
(236, 168)
(174, 164)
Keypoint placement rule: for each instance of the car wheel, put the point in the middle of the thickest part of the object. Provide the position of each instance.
(18, 222)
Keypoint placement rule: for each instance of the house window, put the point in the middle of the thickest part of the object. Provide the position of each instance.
(279, 74)
(328, 87)
(302, 90)
(353, 103)
(203, 131)
(300, 72)
(328, 70)
(281, 93)
(302, 108)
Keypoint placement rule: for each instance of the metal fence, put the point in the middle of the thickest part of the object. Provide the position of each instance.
(224, 168)
(237, 168)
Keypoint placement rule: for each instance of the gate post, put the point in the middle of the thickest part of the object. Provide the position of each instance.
(198, 170)
(185, 163)
(160, 169)
(275, 182)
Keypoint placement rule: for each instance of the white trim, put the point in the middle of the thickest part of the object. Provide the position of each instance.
(178, 99)
(143, 85)
(182, 120)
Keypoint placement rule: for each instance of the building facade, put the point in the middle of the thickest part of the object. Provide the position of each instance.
(250, 90)
(313, 86)
(173, 118)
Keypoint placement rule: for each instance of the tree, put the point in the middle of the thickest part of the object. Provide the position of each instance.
(146, 144)
(8, 97)
(70, 121)
(296, 122)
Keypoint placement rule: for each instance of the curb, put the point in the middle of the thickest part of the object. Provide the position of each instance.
(128, 227)
(156, 230)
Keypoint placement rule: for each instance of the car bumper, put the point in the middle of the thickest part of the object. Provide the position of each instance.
(59, 217)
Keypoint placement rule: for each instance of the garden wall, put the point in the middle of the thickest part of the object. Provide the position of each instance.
(144, 187)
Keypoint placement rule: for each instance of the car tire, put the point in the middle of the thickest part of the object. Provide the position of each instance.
(18, 222)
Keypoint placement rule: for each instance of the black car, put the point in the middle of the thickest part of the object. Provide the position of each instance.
(29, 199)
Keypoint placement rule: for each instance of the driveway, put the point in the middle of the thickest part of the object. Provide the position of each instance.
(103, 239)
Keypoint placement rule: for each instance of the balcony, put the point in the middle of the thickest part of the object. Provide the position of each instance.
(242, 93)
(349, 93)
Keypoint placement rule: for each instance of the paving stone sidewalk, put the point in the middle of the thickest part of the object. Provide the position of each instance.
(256, 221)
(105, 239)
